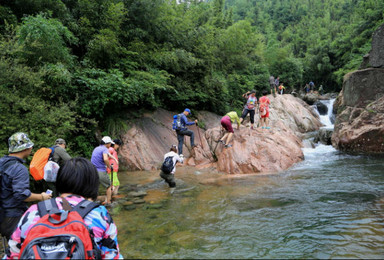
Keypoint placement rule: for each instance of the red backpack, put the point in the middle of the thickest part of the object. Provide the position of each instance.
(61, 234)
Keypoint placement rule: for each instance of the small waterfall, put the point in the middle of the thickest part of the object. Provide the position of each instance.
(325, 118)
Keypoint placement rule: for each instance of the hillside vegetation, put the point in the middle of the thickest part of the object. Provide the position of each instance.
(73, 67)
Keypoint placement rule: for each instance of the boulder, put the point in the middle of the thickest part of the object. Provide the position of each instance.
(311, 98)
(324, 136)
(322, 108)
(376, 55)
(359, 125)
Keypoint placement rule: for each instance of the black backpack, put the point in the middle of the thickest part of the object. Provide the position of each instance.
(167, 165)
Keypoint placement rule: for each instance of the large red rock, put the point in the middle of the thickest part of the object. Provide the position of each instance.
(253, 151)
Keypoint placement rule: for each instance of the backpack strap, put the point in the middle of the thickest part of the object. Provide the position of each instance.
(47, 207)
(52, 151)
(84, 207)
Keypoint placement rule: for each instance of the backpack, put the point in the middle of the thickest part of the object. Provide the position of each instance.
(167, 165)
(61, 235)
(176, 125)
(39, 160)
(262, 109)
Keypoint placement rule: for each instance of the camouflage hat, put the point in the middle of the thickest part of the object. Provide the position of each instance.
(19, 142)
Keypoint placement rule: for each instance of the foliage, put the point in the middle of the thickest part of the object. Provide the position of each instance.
(77, 67)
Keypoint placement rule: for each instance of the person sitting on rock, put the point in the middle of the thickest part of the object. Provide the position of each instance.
(226, 123)
(168, 168)
(264, 110)
(249, 107)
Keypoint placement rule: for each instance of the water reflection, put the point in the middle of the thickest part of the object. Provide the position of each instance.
(328, 206)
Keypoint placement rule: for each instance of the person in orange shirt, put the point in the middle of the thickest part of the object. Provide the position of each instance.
(264, 103)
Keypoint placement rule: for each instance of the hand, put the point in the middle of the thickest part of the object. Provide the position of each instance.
(45, 196)
(196, 121)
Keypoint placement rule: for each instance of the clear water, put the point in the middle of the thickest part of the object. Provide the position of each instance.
(331, 205)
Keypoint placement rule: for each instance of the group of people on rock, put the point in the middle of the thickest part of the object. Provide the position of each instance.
(276, 86)
(251, 107)
(77, 184)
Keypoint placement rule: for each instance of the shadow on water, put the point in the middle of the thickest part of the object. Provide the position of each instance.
(328, 206)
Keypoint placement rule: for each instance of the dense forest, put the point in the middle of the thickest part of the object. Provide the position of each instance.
(72, 68)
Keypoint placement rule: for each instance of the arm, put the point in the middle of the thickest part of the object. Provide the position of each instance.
(106, 160)
(186, 122)
(38, 197)
(113, 157)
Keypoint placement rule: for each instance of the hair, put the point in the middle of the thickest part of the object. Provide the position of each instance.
(173, 148)
(118, 141)
(265, 92)
(78, 176)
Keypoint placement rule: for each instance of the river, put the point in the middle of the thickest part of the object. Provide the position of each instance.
(331, 205)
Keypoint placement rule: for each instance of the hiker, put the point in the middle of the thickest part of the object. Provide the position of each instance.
(321, 90)
(277, 83)
(114, 161)
(307, 88)
(185, 131)
(272, 85)
(60, 155)
(14, 184)
(264, 110)
(311, 86)
(249, 107)
(226, 123)
(168, 168)
(281, 89)
(100, 158)
(77, 182)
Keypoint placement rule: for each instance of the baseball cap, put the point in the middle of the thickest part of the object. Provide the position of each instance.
(60, 141)
(19, 142)
(188, 110)
(107, 140)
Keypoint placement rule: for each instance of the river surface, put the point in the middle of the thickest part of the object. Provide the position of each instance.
(331, 205)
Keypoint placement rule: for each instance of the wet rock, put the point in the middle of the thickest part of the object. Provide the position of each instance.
(127, 203)
(324, 136)
(138, 201)
(311, 98)
(130, 207)
(376, 55)
(137, 193)
(154, 206)
(322, 108)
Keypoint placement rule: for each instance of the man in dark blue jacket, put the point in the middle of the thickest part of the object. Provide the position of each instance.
(14, 184)
(185, 131)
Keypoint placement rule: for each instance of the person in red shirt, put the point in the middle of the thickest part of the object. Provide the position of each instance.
(264, 110)
(114, 161)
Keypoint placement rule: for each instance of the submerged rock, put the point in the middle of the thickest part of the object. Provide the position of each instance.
(324, 136)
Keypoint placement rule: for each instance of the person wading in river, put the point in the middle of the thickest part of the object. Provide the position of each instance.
(168, 167)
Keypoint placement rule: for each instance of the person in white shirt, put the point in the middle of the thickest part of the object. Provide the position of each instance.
(168, 167)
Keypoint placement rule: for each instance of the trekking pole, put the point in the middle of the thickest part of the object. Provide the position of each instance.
(198, 131)
(4, 244)
(111, 167)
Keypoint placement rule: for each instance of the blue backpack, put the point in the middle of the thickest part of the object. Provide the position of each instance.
(176, 124)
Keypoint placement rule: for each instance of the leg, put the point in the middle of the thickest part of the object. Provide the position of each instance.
(109, 194)
(229, 138)
(252, 117)
(180, 139)
(190, 134)
(224, 137)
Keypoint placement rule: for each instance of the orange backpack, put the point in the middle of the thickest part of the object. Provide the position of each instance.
(39, 160)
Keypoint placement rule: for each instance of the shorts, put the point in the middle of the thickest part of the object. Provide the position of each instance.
(104, 179)
(116, 181)
(169, 178)
(266, 115)
(227, 124)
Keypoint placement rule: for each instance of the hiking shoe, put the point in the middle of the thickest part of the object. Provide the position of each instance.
(222, 142)
(267, 127)
(228, 145)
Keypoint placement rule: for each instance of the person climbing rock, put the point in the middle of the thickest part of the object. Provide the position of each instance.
(264, 103)
(168, 167)
(226, 123)
(185, 131)
(250, 107)
(281, 89)
(272, 85)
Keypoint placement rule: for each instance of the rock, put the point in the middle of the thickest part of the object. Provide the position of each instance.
(130, 207)
(321, 107)
(254, 151)
(154, 206)
(324, 136)
(137, 193)
(360, 120)
(138, 201)
(376, 55)
(311, 98)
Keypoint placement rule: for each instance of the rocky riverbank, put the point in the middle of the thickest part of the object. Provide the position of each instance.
(253, 151)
